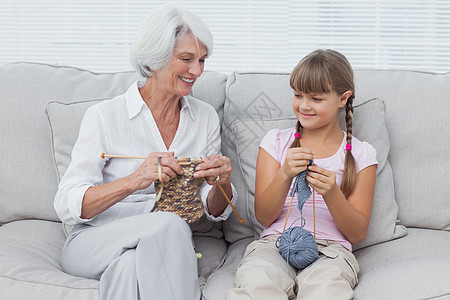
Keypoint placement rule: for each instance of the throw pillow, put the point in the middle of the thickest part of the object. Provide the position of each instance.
(65, 120)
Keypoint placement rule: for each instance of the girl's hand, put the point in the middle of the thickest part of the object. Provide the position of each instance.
(297, 160)
(148, 171)
(215, 169)
(321, 180)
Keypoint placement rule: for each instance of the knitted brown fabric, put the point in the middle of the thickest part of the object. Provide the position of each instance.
(181, 195)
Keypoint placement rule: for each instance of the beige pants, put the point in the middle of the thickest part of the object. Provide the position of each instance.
(264, 274)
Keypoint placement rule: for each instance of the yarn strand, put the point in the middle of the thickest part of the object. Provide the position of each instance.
(296, 244)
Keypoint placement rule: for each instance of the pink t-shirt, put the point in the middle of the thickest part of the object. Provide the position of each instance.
(276, 143)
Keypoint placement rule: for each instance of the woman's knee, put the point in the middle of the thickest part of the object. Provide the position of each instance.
(167, 224)
(124, 264)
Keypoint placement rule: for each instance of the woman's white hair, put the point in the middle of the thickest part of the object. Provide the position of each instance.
(157, 37)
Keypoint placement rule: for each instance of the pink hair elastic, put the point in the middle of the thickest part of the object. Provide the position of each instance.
(297, 135)
(348, 147)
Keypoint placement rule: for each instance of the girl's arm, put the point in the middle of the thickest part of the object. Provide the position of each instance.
(352, 215)
(273, 181)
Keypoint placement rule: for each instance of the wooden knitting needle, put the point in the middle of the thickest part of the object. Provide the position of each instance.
(289, 210)
(103, 155)
(229, 201)
(231, 204)
(314, 211)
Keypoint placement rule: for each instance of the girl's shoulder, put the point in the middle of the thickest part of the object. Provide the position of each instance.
(363, 152)
(278, 136)
(362, 146)
(277, 141)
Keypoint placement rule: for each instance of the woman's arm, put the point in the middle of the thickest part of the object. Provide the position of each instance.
(273, 182)
(101, 197)
(212, 167)
(217, 201)
(352, 215)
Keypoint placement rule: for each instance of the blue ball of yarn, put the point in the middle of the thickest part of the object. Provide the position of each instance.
(298, 247)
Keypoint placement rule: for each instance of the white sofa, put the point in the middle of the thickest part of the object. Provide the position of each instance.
(404, 114)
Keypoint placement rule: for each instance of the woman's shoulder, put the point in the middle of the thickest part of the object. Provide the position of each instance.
(128, 99)
(103, 106)
(200, 106)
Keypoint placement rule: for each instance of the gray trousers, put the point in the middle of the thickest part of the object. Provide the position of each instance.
(148, 256)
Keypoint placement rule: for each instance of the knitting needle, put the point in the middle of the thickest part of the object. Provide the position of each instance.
(229, 201)
(231, 204)
(289, 210)
(103, 155)
(314, 211)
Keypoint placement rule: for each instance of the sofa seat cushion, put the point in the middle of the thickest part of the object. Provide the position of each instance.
(222, 279)
(30, 264)
(30, 261)
(414, 267)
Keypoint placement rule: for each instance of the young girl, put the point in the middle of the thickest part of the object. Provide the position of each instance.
(343, 179)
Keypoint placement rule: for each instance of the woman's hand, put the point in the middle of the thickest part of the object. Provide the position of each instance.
(147, 172)
(321, 180)
(215, 169)
(297, 160)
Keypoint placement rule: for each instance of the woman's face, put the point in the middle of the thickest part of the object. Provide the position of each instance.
(185, 67)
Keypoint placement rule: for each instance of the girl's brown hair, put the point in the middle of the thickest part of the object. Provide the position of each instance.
(326, 71)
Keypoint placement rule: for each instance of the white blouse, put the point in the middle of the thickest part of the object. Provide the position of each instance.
(125, 126)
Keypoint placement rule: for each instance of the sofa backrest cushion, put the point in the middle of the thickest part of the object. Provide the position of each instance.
(42, 107)
(29, 180)
(418, 122)
(257, 103)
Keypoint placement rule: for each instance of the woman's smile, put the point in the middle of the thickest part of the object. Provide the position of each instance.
(187, 81)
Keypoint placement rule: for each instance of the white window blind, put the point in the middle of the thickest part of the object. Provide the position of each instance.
(258, 35)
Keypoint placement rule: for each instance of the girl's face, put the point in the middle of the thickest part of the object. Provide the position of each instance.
(315, 111)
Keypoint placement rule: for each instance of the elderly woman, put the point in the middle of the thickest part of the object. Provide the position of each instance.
(119, 238)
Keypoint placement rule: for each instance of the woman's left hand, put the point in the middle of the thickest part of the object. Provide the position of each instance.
(321, 180)
(215, 169)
